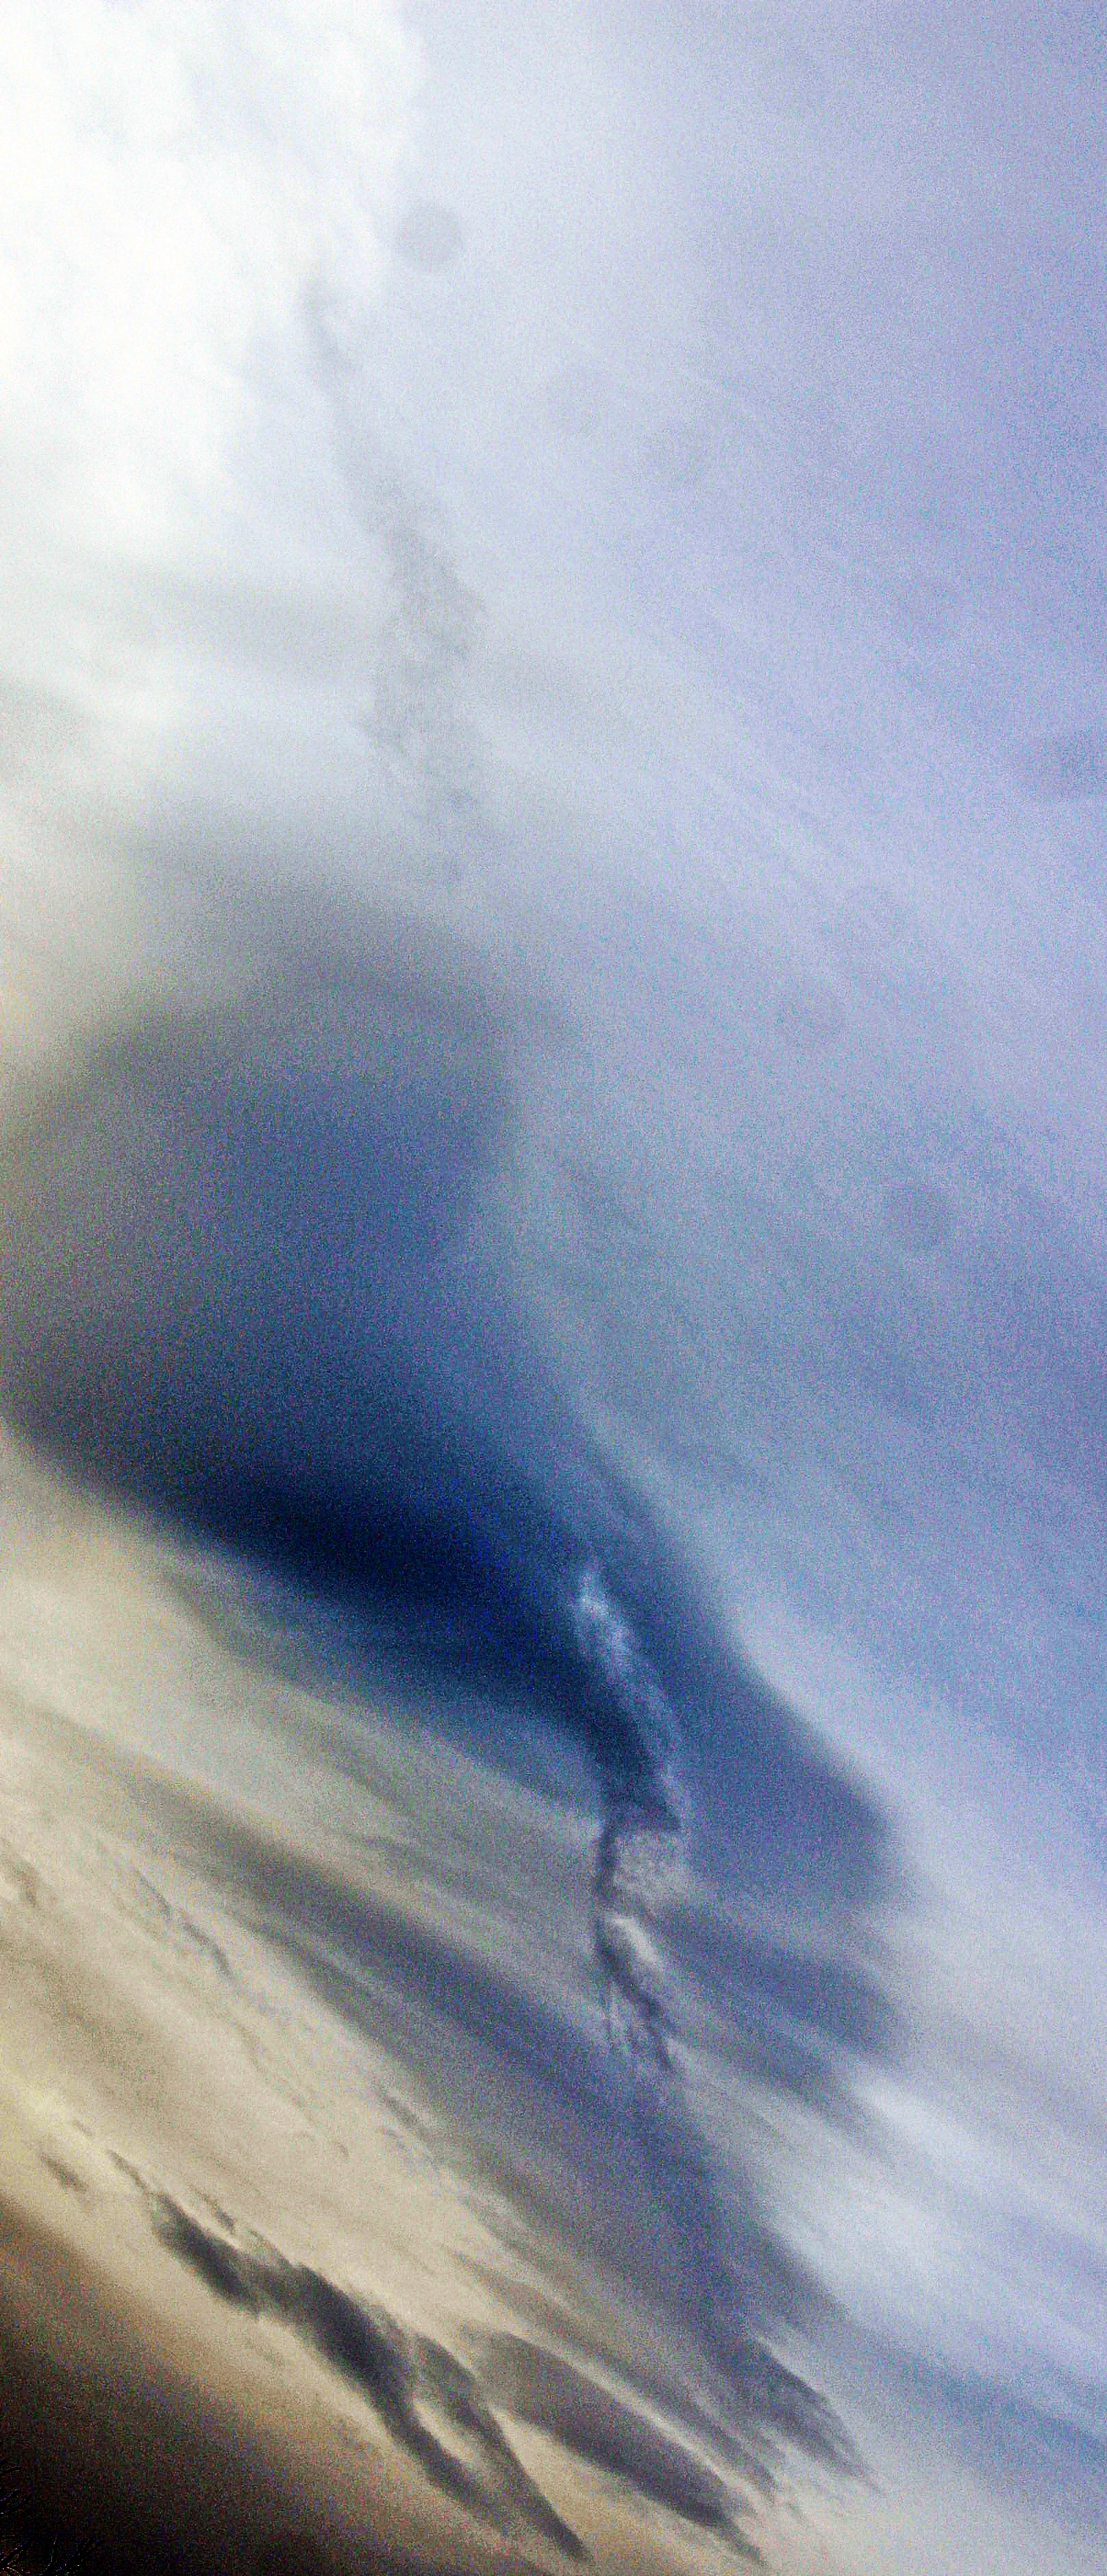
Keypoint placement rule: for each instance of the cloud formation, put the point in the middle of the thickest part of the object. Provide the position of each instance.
(624, 489)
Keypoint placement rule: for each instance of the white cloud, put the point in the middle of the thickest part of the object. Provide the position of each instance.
(174, 176)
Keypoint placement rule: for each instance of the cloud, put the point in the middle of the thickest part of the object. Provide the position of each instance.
(285, 1323)
(176, 177)
(628, 484)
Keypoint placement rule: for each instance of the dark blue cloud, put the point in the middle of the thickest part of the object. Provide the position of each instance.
(251, 1282)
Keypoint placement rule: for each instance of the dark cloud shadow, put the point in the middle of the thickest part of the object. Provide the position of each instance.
(396, 2373)
(401, 2376)
(538, 2387)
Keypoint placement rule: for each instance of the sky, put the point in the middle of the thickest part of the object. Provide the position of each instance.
(605, 509)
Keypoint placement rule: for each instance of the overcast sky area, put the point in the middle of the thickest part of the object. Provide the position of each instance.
(620, 494)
